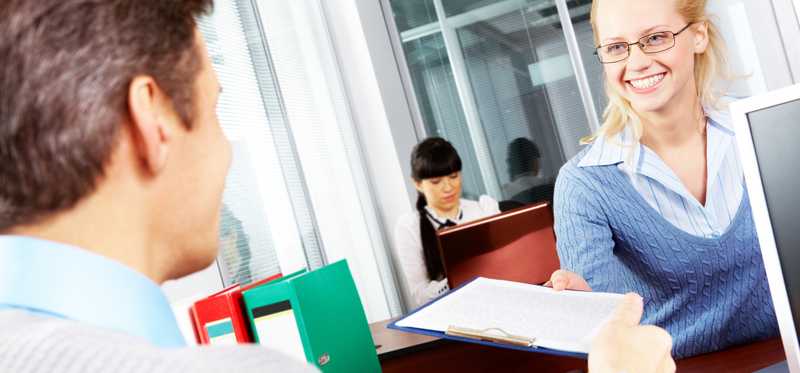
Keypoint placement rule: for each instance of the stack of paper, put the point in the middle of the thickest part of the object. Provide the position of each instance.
(566, 320)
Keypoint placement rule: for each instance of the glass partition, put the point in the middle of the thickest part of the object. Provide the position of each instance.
(496, 79)
(440, 105)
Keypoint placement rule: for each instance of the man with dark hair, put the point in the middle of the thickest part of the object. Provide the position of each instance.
(112, 166)
(527, 184)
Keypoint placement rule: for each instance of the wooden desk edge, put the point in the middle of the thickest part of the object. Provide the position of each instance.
(750, 357)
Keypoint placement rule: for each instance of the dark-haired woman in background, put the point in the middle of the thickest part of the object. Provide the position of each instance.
(436, 172)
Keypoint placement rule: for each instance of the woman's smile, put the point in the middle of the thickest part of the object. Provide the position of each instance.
(647, 84)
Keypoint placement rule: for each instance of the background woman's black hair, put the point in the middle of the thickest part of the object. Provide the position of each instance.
(433, 157)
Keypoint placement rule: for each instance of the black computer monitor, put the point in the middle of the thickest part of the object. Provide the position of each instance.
(768, 133)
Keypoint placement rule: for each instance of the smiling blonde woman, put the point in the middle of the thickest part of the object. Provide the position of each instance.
(655, 204)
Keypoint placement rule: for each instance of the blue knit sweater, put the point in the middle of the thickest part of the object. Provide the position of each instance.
(709, 293)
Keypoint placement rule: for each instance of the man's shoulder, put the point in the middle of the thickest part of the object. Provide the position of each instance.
(34, 343)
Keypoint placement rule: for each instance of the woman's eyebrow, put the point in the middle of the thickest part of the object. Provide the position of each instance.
(612, 40)
(650, 30)
(644, 32)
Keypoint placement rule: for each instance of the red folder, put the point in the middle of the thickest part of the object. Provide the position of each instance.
(221, 319)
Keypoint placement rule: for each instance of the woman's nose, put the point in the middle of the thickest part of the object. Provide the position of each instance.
(447, 184)
(638, 60)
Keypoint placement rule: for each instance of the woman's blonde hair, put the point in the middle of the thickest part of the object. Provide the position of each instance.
(710, 66)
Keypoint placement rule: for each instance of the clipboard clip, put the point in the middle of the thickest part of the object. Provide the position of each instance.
(495, 335)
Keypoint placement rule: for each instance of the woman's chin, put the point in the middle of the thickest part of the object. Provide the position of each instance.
(656, 101)
(648, 104)
(448, 205)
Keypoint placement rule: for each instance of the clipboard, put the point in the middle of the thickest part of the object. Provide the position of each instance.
(488, 337)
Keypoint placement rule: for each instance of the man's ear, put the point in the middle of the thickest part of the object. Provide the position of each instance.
(150, 132)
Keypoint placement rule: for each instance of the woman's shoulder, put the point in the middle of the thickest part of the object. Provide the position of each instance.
(720, 110)
(485, 205)
(576, 168)
(575, 177)
(407, 221)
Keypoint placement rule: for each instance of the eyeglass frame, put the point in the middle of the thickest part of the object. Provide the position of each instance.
(640, 44)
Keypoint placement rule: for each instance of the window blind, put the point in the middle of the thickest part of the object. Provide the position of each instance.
(264, 172)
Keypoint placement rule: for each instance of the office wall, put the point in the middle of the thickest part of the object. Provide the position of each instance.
(321, 111)
(758, 56)
(788, 14)
(381, 112)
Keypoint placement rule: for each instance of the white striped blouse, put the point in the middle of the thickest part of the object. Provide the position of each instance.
(662, 189)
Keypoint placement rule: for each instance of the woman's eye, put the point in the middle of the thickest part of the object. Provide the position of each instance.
(436, 181)
(657, 39)
(616, 49)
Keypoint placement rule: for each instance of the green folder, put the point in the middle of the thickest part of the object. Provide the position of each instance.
(316, 316)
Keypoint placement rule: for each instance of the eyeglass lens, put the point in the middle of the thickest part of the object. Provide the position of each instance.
(653, 43)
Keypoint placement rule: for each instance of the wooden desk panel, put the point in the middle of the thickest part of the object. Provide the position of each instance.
(407, 352)
(491, 247)
(747, 358)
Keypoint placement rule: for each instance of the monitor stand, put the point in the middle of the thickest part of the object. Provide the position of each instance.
(781, 367)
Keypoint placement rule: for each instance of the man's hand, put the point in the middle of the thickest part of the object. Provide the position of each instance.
(566, 280)
(624, 346)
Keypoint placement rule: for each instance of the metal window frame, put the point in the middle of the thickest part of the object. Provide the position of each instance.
(468, 102)
(577, 65)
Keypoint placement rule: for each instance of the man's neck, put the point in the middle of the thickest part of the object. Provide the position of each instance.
(117, 234)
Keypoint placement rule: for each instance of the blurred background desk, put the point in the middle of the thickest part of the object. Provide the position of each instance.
(406, 352)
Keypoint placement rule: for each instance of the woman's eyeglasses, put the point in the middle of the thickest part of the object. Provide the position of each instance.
(649, 44)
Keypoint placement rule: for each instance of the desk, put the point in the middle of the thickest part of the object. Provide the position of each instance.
(406, 352)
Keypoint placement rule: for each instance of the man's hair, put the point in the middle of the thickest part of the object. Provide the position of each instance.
(522, 151)
(65, 70)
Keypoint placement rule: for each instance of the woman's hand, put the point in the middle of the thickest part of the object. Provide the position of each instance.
(622, 345)
(566, 280)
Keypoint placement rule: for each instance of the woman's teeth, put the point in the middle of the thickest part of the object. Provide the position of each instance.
(647, 82)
